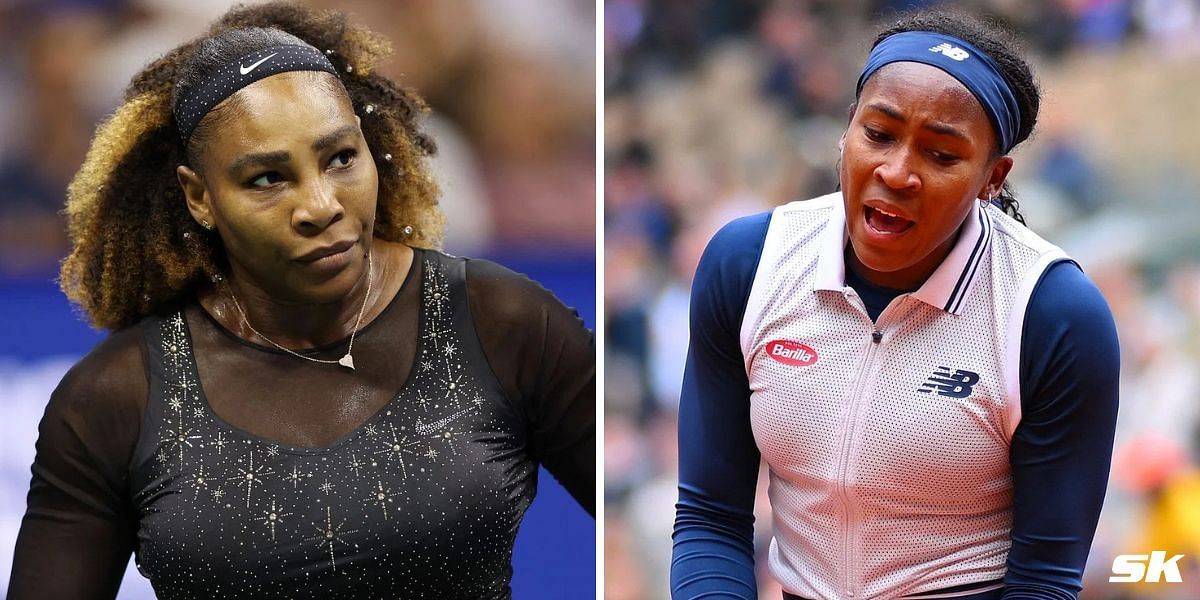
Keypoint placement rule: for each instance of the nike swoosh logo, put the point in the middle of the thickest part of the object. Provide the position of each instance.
(428, 428)
(246, 70)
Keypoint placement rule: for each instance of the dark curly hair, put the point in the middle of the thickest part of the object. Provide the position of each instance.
(1003, 47)
(136, 249)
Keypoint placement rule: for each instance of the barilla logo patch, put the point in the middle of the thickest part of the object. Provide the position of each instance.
(791, 353)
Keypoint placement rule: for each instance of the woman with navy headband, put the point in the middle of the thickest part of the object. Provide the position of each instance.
(301, 396)
(932, 386)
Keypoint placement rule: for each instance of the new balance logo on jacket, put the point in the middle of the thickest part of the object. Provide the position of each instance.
(952, 385)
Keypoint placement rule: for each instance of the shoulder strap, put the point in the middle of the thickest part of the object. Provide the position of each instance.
(168, 361)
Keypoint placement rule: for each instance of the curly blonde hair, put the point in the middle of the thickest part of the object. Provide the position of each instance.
(136, 250)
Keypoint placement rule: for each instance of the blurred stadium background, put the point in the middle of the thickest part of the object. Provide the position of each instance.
(512, 86)
(719, 108)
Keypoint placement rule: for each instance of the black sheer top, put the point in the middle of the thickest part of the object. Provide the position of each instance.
(236, 470)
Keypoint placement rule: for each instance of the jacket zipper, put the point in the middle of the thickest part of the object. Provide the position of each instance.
(850, 525)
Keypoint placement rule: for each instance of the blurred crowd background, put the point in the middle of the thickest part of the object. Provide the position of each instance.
(512, 85)
(721, 108)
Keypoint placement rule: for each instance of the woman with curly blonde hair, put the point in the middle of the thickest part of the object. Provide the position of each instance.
(301, 396)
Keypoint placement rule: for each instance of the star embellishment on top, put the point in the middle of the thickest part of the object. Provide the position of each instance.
(423, 399)
(199, 481)
(355, 464)
(326, 487)
(295, 476)
(176, 438)
(381, 497)
(175, 345)
(273, 517)
(247, 477)
(185, 384)
(395, 449)
(329, 535)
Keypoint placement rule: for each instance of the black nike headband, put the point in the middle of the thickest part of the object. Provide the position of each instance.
(193, 102)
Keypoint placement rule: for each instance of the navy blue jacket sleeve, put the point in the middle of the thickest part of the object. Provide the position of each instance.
(1062, 447)
(713, 553)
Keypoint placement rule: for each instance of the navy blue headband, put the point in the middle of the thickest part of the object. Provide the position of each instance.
(964, 62)
(195, 102)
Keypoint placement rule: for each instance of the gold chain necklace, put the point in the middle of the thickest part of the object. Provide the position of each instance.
(345, 361)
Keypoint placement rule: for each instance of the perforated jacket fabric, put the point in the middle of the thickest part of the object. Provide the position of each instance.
(1059, 453)
(888, 441)
(235, 470)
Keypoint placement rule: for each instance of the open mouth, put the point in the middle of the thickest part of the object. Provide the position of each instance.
(885, 222)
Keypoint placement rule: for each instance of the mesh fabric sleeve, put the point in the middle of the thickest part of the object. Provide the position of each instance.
(545, 359)
(713, 553)
(1062, 447)
(79, 525)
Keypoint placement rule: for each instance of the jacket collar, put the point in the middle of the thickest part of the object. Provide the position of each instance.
(948, 286)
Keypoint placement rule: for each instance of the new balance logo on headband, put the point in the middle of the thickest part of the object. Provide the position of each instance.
(981, 74)
(951, 51)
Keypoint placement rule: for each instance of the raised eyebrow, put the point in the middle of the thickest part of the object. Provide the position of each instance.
(938, 128)
(324, 142)
(258, 159)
